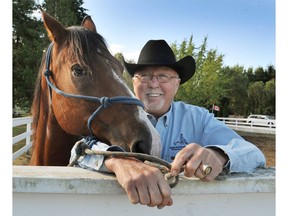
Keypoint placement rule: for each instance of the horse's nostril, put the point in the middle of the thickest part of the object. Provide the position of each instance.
(141, 147)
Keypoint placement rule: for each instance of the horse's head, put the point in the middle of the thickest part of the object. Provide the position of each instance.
(80, 64)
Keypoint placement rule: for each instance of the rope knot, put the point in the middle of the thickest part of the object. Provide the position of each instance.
(105, 102)
(90, 140)
(47, 73)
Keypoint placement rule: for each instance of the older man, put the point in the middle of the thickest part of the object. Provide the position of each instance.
(190, 135)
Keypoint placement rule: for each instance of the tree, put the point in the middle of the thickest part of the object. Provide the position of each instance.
(27, 51)
(126, 75)
(261, 91)
(256, 96)
(236, 90)
(234, 84)
(68, 12)
(203, 88)
(260, 74)
(30, 39)
(269, 107)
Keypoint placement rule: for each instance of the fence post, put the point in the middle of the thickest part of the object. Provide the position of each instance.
(28, 128)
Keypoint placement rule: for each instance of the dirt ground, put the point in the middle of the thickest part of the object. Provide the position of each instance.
(266, 143)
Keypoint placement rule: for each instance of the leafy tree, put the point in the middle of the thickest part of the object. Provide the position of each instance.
(227, 86)
(256, 96)
(203, 88)
(261, 90)
(27, 51)
(233, 84)
(29, 40)
(261, 74)
(68, 12)
(270, 99)
(126, 75)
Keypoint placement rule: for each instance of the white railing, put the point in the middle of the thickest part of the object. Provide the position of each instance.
(67, 191)
(240, 124)
(244, 124)
(26, 135)
(73, 191)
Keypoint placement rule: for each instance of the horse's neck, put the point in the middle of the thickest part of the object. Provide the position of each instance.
(51, 144)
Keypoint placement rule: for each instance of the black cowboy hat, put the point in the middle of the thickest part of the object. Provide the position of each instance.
(159, 53)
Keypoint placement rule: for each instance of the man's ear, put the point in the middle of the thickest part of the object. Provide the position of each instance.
(177, 86)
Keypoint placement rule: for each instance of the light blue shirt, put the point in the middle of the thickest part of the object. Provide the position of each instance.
(184, 124)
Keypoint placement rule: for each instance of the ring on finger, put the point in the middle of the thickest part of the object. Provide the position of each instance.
(205, 169)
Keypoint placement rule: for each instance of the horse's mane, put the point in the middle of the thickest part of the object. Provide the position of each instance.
(80, 43)
(35, 110)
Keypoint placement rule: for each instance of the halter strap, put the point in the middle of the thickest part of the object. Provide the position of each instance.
(104, 101)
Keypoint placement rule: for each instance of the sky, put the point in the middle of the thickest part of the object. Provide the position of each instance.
(242, 30)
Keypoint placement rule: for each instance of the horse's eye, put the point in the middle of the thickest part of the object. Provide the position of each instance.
(78, 70)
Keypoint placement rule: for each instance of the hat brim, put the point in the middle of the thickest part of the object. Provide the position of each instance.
(185, 67)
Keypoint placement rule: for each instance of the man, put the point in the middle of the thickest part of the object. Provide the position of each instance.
(190, 135)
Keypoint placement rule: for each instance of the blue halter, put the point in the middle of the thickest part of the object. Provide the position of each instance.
(104, 101)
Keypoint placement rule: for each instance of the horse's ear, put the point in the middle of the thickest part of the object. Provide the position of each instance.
(89, 24)
(56, 31)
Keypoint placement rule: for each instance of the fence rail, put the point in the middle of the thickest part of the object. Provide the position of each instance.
(26, 135)
(240, 124)
(244, 124)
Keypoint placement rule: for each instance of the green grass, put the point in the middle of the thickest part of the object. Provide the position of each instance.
(16, 131)
(19, 129)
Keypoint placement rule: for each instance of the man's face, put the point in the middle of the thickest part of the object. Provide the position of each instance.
(156, 88)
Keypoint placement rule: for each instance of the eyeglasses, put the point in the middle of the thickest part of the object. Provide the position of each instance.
(162, 78)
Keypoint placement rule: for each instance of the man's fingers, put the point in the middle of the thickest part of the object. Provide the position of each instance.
(181, 159)
(133, 195)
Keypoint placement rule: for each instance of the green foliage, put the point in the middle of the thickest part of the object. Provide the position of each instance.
(203, 88)
(68, 12)
(233, 84)
(235, 90)
(30, 39)
(262, 97)
(126, 75)
(27, 50)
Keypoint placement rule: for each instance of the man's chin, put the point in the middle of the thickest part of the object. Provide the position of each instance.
(153, 108)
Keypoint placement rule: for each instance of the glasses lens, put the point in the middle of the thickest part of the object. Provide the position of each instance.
(163, 78)
(145, 78)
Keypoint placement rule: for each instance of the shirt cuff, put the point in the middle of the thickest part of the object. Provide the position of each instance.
(226, 167)
(96, 162)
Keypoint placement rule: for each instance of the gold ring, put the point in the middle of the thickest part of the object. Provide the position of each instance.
(206, 169)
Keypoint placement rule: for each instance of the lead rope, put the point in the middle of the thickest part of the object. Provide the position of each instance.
(83, 149)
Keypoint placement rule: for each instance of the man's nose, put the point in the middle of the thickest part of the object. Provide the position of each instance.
(154, 81)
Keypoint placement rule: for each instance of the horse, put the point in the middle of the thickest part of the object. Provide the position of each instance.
(79, 92)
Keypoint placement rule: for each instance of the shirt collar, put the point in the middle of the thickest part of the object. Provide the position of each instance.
(166, 117)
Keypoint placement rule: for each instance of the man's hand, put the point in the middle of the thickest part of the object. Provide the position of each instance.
(143, 184)
(194, 155)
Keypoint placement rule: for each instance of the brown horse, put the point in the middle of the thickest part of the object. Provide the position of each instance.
(77, 94)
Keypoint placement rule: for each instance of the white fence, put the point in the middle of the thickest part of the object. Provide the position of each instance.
(47, 191)
(239, 124)
(71, 191)
(243, 124)
(26, 135)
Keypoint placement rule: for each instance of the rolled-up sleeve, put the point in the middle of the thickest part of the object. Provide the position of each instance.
(95, 162)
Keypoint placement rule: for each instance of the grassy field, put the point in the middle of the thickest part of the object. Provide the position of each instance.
(16, 131)
(24, 158)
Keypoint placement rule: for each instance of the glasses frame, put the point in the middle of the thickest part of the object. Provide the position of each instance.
(139, 77)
